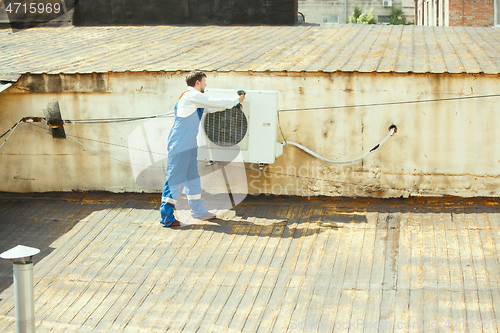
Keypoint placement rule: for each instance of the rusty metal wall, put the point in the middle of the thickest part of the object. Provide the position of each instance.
(446, 142)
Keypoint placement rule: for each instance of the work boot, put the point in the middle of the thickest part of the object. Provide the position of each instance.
(207, 216)
(173, 225)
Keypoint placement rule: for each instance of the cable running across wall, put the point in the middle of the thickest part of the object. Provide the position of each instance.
(392, 130)
(244, 167)
(389, 103)
(11, 130)
(116, 120)
(74, 137)
(170, 114)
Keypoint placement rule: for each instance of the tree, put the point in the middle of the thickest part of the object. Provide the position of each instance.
(353, 18)
(397, 16)
(367, 18)
(364, 18)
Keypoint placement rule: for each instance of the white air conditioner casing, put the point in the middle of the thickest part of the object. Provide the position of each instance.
(387, 3)
(251, 131)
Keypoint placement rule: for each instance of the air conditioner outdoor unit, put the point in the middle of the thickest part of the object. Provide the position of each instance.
(249, 131)
(387, 3)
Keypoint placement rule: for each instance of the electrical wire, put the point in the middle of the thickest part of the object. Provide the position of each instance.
(276, 173)
(118, 145)
(281, 130)
(243, 167)
(11, 130)
(170, 114)
(391, 132)
(116, 120)
(72, 137)
(108, 143)
(389, 103)
(110, 157)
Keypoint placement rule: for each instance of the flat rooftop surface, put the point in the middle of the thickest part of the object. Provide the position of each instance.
(364, 48)
(272, 264)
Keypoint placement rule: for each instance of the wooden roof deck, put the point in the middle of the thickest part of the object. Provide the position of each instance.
(269, 265)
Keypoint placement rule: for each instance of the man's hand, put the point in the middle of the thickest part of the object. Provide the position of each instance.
(241, 98)
(241, 95)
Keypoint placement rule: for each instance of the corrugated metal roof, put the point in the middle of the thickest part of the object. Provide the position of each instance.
(4, 86)
(346, 48)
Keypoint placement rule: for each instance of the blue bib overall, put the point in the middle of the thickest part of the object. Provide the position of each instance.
(182, 168)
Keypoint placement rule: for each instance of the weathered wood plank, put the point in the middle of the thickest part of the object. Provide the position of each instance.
(158, 303)
(143, 274)
(487, 315)
(367, 254)
(403, 278)
(371, 322)
(476, 248)
(43, 271)
(333, 293)
(311, 261)
(430, 271)
(490, 257)
(283, 260)
(95, 275)
(222, 279)
(75, 278)
(20, 215)
(296, 266)
(444, 314)
(112, 276)
(174, 299)
(472, 311)
(416, 284)
(362, 289)
(230, 301)
(42, 239)
(401, 310)
(238, 305)
(329, 239)
(263, 267)
(249, 312)
(305, 235)
(168, 260)
(209, 261)
(467, 264)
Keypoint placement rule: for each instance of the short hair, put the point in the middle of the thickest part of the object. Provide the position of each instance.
(194, 76)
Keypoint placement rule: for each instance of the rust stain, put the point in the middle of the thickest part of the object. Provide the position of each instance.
(352, 207)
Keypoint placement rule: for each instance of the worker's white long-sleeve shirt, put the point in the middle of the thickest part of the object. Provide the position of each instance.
(193, 99)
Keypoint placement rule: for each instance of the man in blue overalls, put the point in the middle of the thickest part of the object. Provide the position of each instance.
(182, 167)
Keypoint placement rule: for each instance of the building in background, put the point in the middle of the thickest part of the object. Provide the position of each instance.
(470, 13)
(189, 12)
(337, 12)
(23, 14)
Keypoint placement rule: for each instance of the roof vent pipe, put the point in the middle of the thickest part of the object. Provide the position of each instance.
(24, 297)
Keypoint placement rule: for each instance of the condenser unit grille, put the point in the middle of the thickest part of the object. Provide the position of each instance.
(226, 128)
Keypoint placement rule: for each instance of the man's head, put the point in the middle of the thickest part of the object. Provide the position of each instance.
(197, 80)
